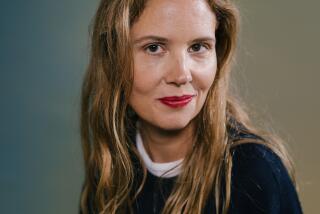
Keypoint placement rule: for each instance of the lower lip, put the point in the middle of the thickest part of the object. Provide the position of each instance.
(176, 103)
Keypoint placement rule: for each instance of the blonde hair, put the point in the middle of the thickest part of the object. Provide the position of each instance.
(107, 121)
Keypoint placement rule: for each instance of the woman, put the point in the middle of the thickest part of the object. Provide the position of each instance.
(161, 131)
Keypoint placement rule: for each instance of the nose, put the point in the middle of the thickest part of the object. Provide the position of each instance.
(179, 72)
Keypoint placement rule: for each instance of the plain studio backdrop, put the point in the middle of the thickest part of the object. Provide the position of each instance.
(44, 50)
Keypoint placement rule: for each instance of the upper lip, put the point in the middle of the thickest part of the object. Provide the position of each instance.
(177, 98)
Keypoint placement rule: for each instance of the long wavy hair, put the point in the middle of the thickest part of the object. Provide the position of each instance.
(106, 120)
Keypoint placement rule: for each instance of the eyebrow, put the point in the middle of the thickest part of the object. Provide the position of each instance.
(165, 40)
(150, 37)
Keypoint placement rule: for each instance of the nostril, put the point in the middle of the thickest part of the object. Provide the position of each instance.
(181, 80)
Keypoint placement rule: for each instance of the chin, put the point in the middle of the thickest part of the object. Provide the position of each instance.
(173, 127)
(168, 122)
(173, 124)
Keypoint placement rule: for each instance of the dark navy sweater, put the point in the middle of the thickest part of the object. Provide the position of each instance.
(260, 184)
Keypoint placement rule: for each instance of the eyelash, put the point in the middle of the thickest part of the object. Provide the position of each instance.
(205, 45)
(146, 48)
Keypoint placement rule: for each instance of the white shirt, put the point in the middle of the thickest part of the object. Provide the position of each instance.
(158, 169)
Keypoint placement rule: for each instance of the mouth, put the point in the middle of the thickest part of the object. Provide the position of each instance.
(176, 101)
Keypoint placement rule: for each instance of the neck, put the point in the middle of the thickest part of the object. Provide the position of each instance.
(166, 145)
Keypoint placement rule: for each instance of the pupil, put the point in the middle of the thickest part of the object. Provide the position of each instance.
(196, 47)
(153, 48)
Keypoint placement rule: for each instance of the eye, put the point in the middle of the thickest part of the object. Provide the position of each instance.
(199, 47)
(153, 49)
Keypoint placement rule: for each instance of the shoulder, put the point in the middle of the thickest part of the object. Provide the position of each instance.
(258, 162)
(260, 182)
(254, 151)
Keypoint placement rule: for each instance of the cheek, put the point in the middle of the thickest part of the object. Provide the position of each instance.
(148, 72)
(142, 85)
(147, 77)
(205, 75)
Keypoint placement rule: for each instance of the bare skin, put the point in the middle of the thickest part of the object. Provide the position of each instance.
(166, 145)
(174, 55)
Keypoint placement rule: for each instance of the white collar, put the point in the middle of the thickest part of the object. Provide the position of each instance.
(158, 169)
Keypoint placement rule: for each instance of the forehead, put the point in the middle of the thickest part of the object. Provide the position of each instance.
(175, 18)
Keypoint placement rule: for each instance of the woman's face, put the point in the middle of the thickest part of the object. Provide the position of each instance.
(174, 61)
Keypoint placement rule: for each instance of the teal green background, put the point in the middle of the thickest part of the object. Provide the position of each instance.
(44, 50)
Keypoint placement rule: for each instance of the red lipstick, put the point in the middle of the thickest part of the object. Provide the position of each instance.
(176, 101)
